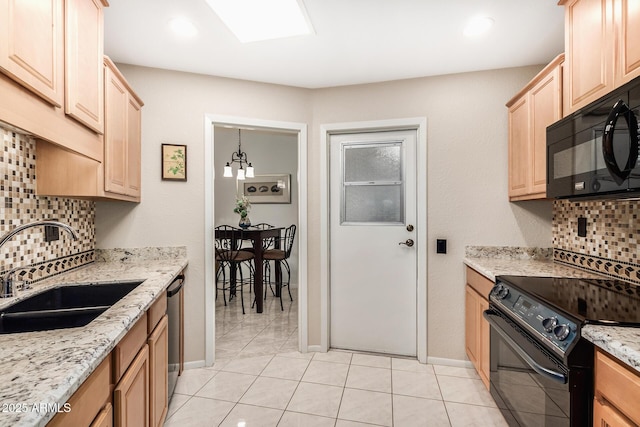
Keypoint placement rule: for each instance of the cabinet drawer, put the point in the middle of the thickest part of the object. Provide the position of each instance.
(104, 418)
(88, 400)
(618, 385)
(479, 283)
(127, 349)
(156, 311)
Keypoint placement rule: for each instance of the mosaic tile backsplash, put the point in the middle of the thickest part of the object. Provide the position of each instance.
(20, 205)
(611, 244)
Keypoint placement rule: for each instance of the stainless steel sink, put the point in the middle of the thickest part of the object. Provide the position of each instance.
(62, 307)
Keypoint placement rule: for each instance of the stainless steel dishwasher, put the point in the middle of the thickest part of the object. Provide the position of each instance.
(175, 310)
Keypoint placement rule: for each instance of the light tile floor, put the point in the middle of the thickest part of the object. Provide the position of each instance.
(260, 379)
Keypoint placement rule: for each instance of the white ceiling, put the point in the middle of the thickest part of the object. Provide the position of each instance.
(355, 41)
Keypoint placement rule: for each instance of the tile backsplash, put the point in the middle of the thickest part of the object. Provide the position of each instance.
(20, 205)
(611, 244)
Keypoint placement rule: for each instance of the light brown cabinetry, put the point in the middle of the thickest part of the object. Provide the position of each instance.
(600, 47)
(617, 388)
(50, 55)
(66, 173)
(131, 395)
(158, 380)
(31, 48)
(535, 107)
(84, 41)
(91, 402)
(476, 327)
(122, 135)
(140, 370)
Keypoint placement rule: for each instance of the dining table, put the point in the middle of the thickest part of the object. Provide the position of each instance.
(258, 236)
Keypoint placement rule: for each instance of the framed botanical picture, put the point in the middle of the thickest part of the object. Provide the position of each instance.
(267, 188)
(174, 162)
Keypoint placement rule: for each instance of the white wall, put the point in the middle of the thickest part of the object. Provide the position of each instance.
(172, 213)
(270, 153)
(466, 176)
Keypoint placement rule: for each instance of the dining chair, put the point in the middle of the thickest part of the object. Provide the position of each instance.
(230, 256)
(280, 256)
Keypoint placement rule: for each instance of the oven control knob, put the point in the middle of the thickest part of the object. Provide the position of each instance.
(549, 323)
(561, 332)
(503, 292)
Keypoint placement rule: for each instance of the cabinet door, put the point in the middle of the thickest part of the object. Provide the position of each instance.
(84, 87)
(133, 146)
(31, 46)
(471, 325)
(115, 148)
(605, 415)
(519, 170)
(546, 108)
(589, 51)
(158, 379)
(131, 395)
(627, 21)
(484, 342)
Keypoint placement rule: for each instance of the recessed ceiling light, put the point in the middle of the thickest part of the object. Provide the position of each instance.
(478, 26)
(256, 20)
(183, 27)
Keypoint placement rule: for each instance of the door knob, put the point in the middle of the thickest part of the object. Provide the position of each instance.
(408, 242)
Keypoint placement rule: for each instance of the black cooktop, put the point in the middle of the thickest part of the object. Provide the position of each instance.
(594, 301)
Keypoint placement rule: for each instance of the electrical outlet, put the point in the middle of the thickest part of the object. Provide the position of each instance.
(51, 233)
(582, 226)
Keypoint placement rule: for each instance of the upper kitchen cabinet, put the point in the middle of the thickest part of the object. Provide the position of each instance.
(84, 40)
(31, 48)
(122, 154)
(65, 173)
(600, 51)
(51, 71)
(535, 107)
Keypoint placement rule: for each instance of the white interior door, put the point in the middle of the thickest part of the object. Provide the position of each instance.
(373, 280)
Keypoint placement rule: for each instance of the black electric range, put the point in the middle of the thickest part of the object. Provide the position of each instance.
(541, 366)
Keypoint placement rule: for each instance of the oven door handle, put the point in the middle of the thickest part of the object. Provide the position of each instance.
(553, 375)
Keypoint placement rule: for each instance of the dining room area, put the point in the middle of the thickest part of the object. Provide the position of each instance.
(256, 247)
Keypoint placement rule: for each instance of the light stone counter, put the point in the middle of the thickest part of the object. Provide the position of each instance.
(46, 368)
(621, 342)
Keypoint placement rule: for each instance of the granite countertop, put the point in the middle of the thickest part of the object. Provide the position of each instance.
(47, 367)
(621, 342)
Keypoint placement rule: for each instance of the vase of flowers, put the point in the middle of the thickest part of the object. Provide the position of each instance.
(242, 208)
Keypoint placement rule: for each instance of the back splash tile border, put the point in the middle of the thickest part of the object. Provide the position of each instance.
(19, 205)
(615, 269)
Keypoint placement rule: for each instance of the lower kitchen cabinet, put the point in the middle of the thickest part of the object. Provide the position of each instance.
(476, 327)
(89, 402)
(131, 395)
(158, 379)
(130, 387)
(617, 388)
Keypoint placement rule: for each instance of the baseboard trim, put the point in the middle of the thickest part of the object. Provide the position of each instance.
(314, 348)
(195, 364)
(449, 362)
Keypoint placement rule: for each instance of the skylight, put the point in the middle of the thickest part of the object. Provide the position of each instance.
(256, 20)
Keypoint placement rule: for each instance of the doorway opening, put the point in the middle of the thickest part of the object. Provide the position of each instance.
(274, 148)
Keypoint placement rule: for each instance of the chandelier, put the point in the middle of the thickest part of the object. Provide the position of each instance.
(239, 157)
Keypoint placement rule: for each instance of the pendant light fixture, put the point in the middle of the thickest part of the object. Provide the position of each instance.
(239, 157)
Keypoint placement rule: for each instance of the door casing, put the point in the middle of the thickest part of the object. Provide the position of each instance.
(326, 130)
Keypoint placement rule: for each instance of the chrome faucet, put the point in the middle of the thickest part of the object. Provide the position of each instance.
(6, 282)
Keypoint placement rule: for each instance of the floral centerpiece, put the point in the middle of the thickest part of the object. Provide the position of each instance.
(242, 208)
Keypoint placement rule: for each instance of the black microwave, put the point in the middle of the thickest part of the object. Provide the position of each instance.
(593, 153)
